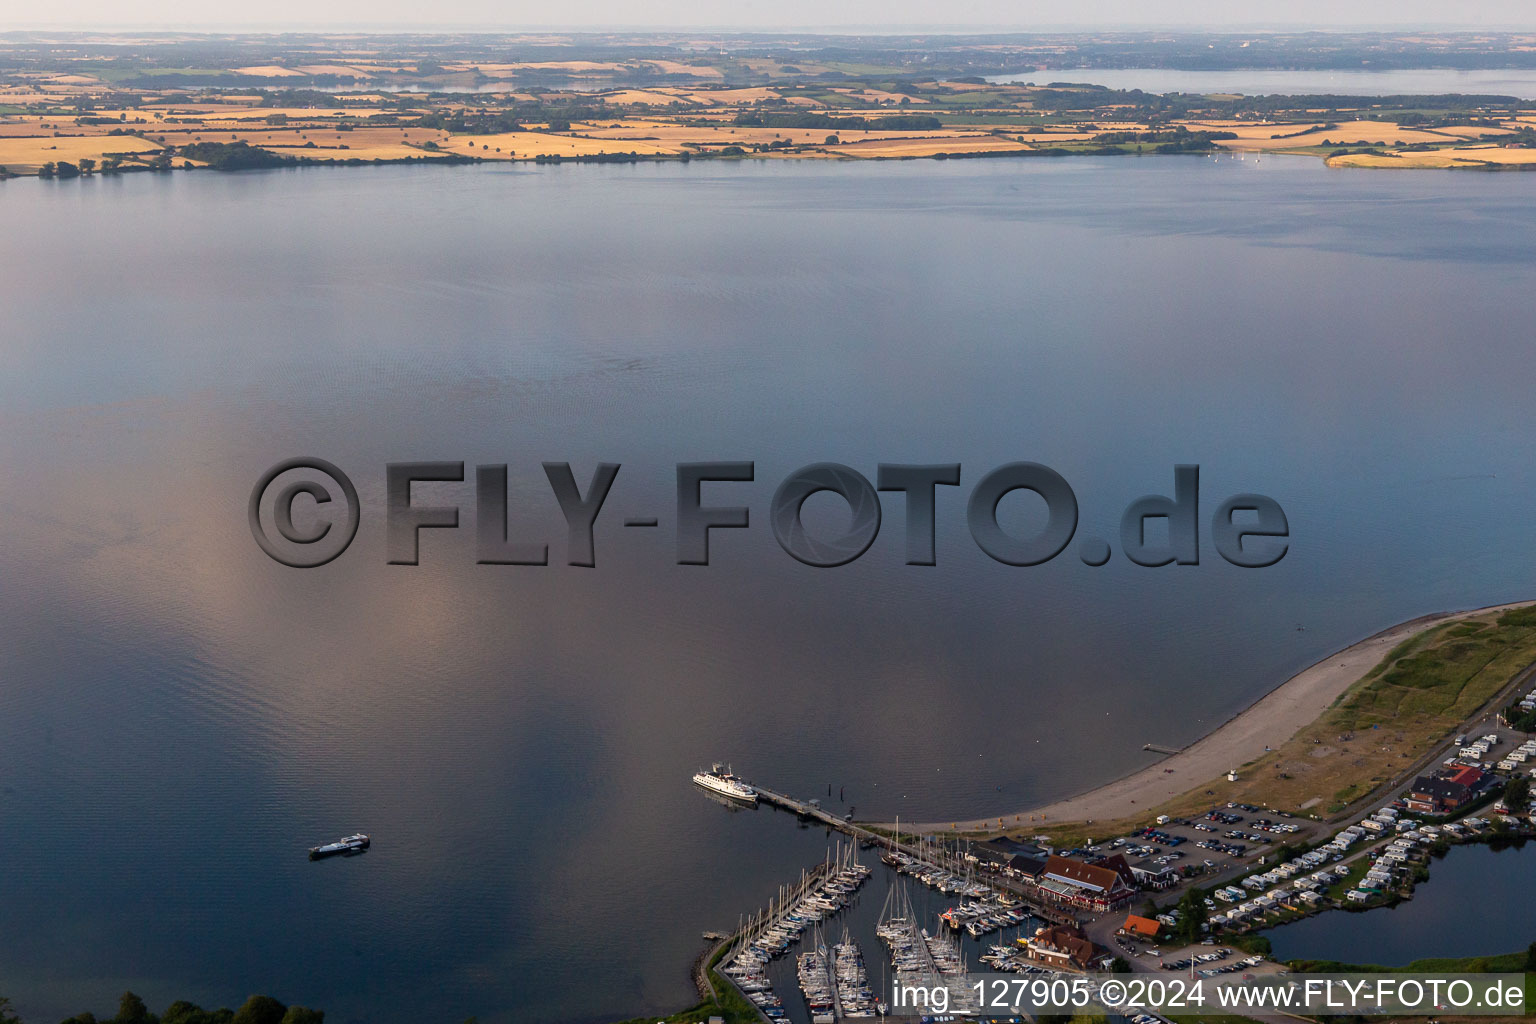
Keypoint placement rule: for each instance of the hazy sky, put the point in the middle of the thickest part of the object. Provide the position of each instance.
(876, 15)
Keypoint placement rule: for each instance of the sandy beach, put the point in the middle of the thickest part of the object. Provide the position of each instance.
(1267, 723)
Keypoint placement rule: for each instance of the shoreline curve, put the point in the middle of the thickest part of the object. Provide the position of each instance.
(1267, 723)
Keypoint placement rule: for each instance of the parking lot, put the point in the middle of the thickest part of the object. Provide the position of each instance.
(1228, 838)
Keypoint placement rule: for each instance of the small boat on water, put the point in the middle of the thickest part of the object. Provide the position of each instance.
(349, 845)
(720, 779)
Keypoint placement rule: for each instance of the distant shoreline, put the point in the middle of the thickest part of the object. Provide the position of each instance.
(1265, 724)
(116, 107)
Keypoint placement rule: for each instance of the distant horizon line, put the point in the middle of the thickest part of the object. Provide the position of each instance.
(425, 28)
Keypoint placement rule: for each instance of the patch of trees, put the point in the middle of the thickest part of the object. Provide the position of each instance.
(255, 1010)
(493, 122)
(807, 119)
(588, 158)
(181, 78)
(131, 1010)
(1196, 142)
(233, 156)
(1524, 137)
(1308, 130)
(1062, 97)
(1517, 793)
(473, 124)
(1190, 925)
(1520, 719)
(1177, 140)
(296, 98)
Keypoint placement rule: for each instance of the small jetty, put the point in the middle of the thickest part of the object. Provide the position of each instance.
(923, 857)
(855, 999)
(816, 983)
(341, 847)
(979, 917)
(820, 893)
(925, 960)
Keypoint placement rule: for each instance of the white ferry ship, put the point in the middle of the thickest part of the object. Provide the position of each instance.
(351, 844)
(719, 779)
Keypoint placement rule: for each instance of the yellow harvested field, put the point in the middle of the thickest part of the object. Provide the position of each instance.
(1260, 136)
(28, 154)
(269, 71)
(675, 136)
(548, 65)
(24, 96)
(751, 95)
(1497, 154)
(333, 69)
(1465, 156)
(1472, 131)
(16, 129)
(1348, 132)
(360, 144)
(628, 96)
(383, 151)
(880, 95)
(1248, 131)
(929, 146)
(523, 145)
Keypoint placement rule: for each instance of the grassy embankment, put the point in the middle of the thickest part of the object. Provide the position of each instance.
(1419, 695)
(1499, 963)
(1502, 963)
(728, 1004)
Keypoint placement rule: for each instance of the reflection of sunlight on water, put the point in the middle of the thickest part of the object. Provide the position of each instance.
(183, 717)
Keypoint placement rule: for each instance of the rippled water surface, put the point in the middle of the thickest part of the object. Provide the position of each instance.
(180, 717)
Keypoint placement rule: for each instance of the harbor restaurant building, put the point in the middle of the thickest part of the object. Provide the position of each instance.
(1443, 792)
(1083, 885)
(1062, 946)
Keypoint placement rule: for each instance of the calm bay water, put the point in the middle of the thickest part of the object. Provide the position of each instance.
(1517, 82)
(180, 717)
(1452, 915)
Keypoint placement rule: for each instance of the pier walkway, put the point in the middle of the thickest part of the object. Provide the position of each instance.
(805, 809)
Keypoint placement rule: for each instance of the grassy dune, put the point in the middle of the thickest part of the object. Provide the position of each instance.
(1420, 694)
